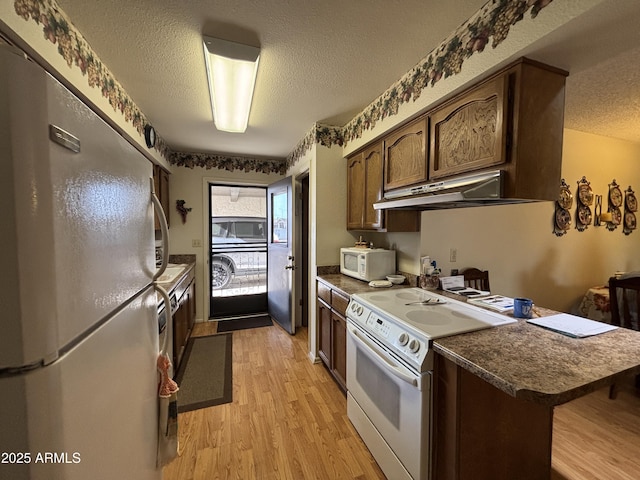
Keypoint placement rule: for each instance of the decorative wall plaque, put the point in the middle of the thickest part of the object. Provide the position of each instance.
(562, 217)
(583, 210)
(630, 208)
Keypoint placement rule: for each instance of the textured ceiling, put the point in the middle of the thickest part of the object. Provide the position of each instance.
(326, 61)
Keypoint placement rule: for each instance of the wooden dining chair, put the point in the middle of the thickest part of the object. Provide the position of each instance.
(624, 301)
(476, 278)
(624, 298)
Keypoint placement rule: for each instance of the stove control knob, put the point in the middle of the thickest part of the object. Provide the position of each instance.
(414, 346)
(403, 339)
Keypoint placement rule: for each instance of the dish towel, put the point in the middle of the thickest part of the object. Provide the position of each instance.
(168, 413)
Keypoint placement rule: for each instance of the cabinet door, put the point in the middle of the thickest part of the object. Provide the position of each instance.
(180, 332)
(339, 349)
(470, 132)
(373, 164)
(161, 186)
(324, 321)
(191, 304)
(355, 191)
(405, 155)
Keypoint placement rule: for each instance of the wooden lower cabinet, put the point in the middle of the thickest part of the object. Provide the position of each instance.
(332, 328)
(184, 317)
(481, 433)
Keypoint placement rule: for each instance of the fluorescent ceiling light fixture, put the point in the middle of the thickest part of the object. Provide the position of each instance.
(231, 72)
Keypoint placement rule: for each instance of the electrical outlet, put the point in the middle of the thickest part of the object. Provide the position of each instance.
(453, 255)
(196, 242)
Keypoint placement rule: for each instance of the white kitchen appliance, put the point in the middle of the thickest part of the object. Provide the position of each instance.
(367, 263)
(79, 338)
(389, 369)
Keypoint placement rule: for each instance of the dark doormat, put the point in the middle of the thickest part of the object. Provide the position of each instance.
(246, 322)
(205, 373)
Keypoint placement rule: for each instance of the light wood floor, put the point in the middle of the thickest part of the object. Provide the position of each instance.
(288, 421)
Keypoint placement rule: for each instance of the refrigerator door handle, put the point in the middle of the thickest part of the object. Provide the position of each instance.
(167, 305)
(164, 229)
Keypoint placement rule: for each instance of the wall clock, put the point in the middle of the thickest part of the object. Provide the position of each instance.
(149, 135)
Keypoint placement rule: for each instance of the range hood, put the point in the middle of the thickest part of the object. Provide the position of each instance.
(473, 190)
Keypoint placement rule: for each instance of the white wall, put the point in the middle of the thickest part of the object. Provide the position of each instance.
(331, 205)
(327, 170)
(516, 244)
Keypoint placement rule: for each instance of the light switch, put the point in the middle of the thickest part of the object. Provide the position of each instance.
(196, 242)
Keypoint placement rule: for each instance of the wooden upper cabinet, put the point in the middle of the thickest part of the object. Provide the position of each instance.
(372, 158)
(355, 191)
(470, 132)
(364, 183)
(405, 155)
(161, 186)
(364, 174)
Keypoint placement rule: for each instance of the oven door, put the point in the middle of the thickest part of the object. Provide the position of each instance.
(395, 401)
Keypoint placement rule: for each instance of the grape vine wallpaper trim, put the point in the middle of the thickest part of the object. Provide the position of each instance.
(492, 21)
(59, 30)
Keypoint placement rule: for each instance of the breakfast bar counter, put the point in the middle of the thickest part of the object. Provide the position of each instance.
(494, 391)
(531, 363)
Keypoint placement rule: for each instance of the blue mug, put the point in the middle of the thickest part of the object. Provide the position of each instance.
(522, 307)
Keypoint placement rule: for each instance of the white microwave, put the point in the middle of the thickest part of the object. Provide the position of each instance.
(367, 263)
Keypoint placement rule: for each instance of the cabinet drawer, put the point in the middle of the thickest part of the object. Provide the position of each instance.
(339, 302)
(324, 293)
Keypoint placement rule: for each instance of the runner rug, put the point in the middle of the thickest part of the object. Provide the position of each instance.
(205, 373)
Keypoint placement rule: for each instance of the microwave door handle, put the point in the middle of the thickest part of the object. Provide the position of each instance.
(374, 354)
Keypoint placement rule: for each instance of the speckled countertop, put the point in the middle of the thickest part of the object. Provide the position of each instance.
(542, 366)
(530, 362)
(349, 285)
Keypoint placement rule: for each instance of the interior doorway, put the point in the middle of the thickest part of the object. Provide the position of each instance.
(237, 250)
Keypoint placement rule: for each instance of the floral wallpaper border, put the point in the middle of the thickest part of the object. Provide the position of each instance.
(59, 30)
(492, 21)
(228, 162)
(325, 135)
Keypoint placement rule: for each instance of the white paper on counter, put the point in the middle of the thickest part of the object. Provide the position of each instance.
(572, 325)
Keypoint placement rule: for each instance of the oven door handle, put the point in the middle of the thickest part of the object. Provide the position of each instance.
(376, 355)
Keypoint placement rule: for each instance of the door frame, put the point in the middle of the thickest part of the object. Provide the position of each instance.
(310, 260)
(206, 281)
(245, 305)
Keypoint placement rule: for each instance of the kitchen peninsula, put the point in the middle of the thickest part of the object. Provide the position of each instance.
(494, 393)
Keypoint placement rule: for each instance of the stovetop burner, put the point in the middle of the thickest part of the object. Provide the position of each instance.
(436, 317)
(407, 320)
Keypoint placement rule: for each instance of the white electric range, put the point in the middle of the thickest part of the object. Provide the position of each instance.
(389, 369)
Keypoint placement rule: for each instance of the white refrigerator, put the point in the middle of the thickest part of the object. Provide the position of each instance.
(78, 330)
